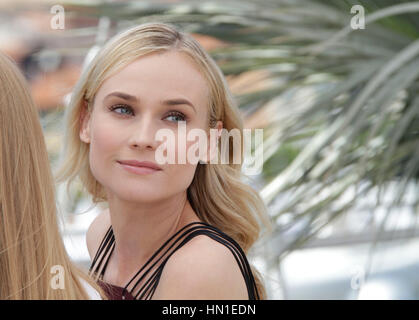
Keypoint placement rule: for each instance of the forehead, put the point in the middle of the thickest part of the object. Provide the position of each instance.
(160, 75)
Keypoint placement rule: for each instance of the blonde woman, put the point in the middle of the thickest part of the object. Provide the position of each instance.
(33, 260)
(171, 231)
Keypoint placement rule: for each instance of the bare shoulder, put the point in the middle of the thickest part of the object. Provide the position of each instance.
(97, 231)
(203, 269)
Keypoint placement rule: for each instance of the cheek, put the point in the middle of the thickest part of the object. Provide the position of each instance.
(181, 173)
(191, 145)
(180, 176)
(196, 149)
(104, 137)
(103, 146)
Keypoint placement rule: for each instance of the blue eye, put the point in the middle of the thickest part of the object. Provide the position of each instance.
(177, 115)
(124, 109)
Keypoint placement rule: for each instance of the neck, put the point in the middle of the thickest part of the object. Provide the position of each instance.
(141, 228)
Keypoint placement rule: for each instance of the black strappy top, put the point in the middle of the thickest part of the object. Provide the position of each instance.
(144, 283)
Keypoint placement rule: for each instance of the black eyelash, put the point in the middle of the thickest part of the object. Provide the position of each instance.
(171, 113)
(179, 114)
(117, 106)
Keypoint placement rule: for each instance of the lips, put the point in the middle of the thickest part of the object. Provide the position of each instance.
(140, 164)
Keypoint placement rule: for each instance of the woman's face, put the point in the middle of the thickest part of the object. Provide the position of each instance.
(129, 109)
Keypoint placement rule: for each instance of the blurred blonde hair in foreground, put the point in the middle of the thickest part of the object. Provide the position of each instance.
(217, 193)
(30, 240)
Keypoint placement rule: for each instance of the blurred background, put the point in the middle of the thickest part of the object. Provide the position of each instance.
(333, 84)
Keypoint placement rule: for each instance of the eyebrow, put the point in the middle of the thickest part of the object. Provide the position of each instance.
(169, 102)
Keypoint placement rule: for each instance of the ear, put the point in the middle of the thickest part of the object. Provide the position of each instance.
(85, 123)
(212, 149)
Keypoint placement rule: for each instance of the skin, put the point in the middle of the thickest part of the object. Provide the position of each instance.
(145, 210)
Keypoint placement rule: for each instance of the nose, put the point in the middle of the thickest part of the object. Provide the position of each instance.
(143, 135)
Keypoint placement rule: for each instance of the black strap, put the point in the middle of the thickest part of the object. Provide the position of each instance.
(147, 289)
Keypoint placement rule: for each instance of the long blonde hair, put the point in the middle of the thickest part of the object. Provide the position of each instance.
(217, 193)
(30, 240)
